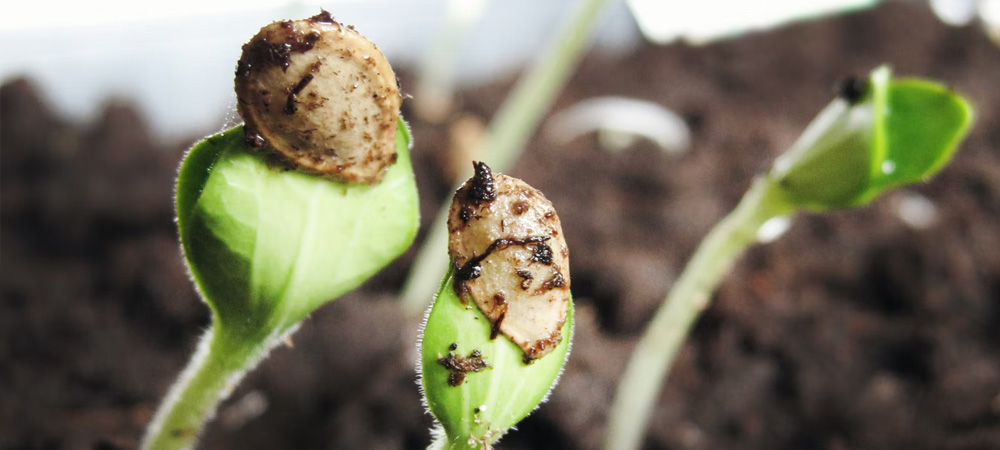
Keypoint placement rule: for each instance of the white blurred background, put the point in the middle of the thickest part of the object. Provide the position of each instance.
(175, 59)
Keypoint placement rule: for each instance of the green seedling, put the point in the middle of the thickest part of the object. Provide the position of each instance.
(302, 204)
(499, 331)
(880, 134)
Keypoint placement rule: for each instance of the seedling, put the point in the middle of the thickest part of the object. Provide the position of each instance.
(499, 331)
(880, 134)
(286, 213)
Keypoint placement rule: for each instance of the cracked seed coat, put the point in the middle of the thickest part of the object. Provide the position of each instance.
(510, 259)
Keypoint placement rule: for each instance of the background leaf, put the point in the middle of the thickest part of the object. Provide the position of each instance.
(903, 132)
(923, 125)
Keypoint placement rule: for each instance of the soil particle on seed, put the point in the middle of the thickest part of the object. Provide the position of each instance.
(290, 102)
(482, 187)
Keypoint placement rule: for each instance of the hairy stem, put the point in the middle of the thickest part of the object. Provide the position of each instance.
(442, 441)
(509, 131)
(211, 375)
(690, 295)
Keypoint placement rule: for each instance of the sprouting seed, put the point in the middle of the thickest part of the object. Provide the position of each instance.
(510, 259)
(506, 302)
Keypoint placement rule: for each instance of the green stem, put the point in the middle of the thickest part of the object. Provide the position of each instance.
(446, 442)
(509, 131)
(213, 372)
(435, 82)
(691, 293)
(520, 114)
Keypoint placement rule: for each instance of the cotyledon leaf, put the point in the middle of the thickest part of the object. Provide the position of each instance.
(924, 123)
(267, 245)
(489, 402)
(897, 132)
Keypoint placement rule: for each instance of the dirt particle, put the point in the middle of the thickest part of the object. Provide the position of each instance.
(557, 281)
(458, 366)
(324, 16)
(483, 188)
(263, 51)
(253, 139)
(470, 271)
(465, 214)
(542, 254)
(526, 278)
(290, 102)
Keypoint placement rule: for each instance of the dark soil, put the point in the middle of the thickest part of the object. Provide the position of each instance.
(853, 331)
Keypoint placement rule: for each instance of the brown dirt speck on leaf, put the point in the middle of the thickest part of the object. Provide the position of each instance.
(458, 367)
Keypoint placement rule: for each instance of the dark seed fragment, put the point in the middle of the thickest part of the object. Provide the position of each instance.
(853, 89)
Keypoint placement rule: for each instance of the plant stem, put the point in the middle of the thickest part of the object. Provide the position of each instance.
(509, 131)
(519, 115)
(435, 83)
(443, 441)
(447, 443)
(213, 372)
(691, 293)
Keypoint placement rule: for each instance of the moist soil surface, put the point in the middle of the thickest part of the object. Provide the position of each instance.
(855, 330)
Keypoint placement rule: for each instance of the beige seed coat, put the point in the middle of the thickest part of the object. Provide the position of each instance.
(511, 259)
(320, 95)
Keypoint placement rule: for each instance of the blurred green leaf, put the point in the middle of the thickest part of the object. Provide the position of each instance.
(900, 132)
(923, 124)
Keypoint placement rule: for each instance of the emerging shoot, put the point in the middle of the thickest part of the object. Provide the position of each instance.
(880, 134)
(499, 331)
(266, 245)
